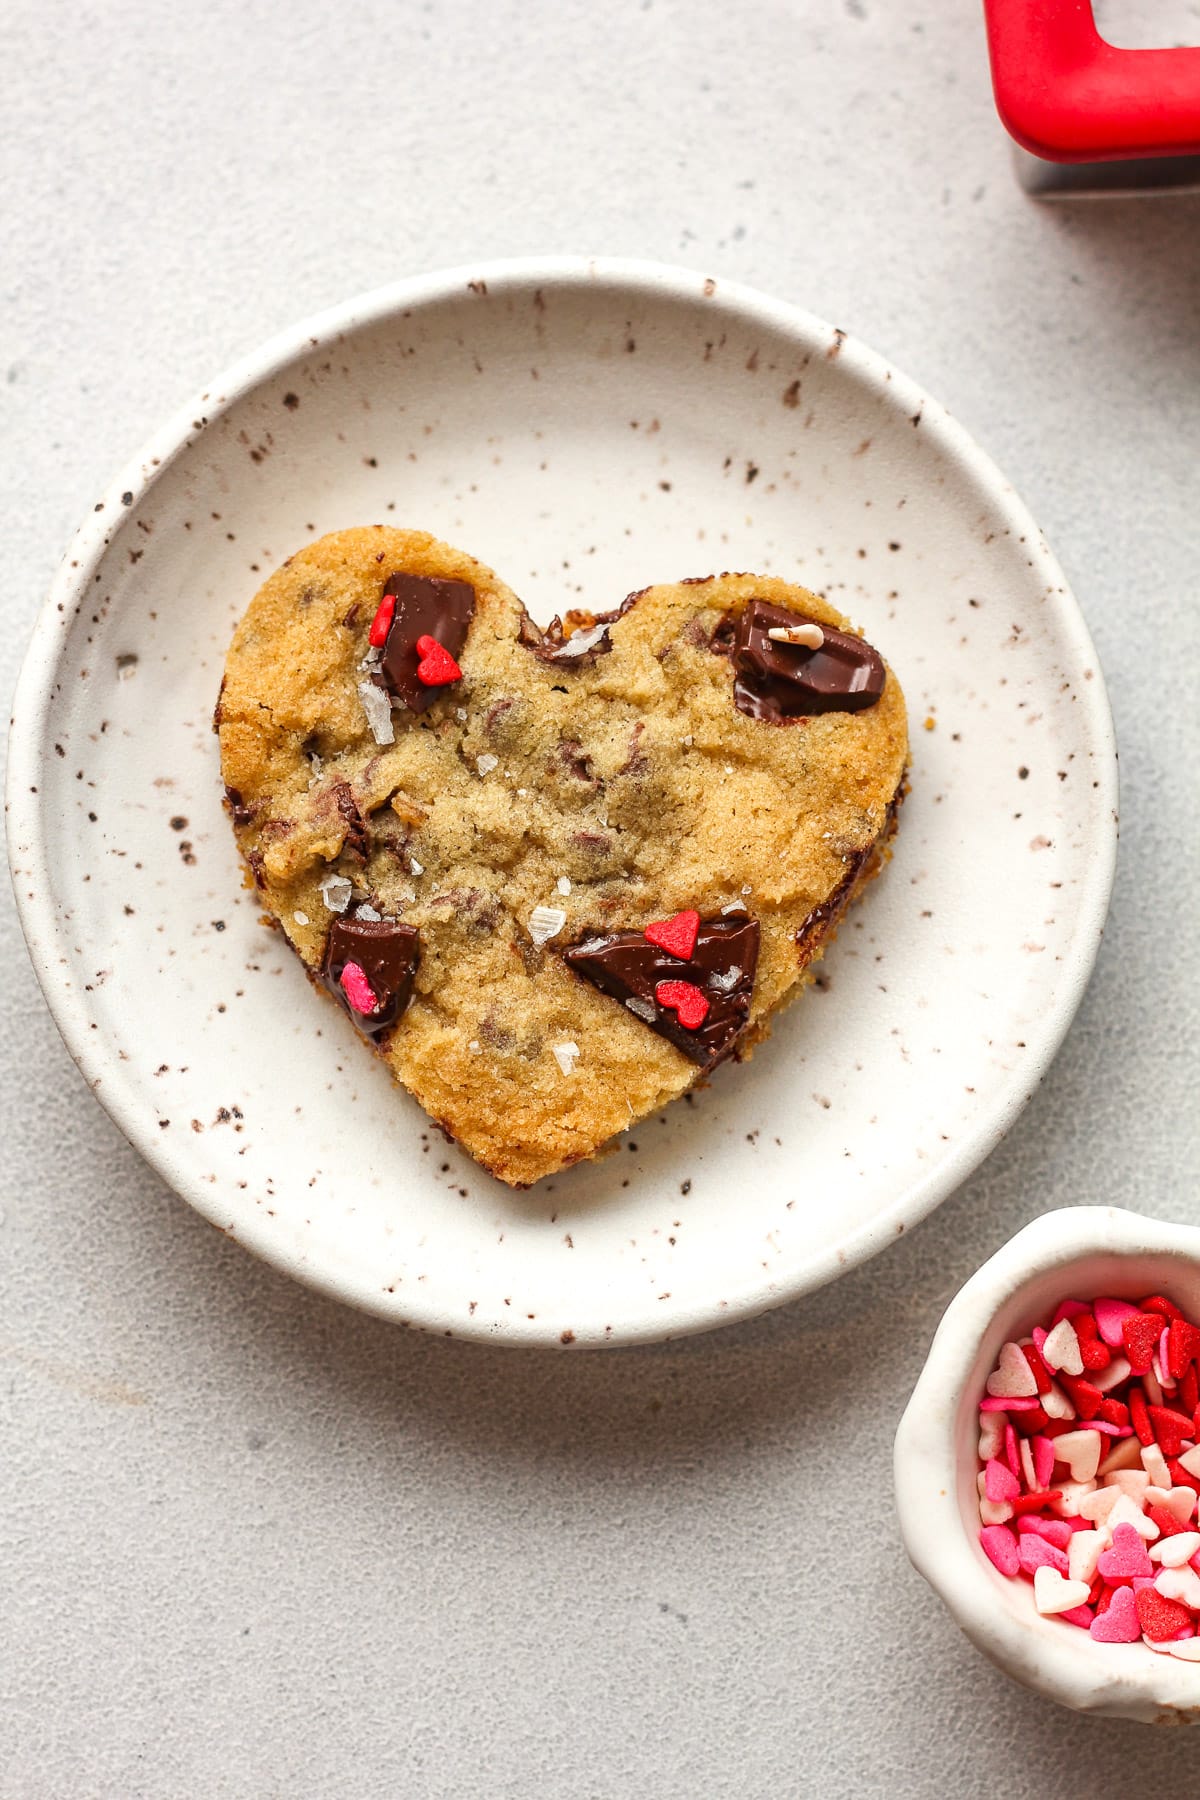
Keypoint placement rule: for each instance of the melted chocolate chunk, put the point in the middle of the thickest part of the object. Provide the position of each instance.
(387, 953)
(358, 832)
(426, 606)
(623, 965)
(239, 812)
(777, 682)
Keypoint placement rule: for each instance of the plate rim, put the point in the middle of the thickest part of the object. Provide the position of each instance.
(28, 838)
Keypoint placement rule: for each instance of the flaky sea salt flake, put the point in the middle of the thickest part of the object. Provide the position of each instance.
(301, 918)
(336, 892)
(566, 1056)
(564, 884)
(368, 913)
(378, 709)
(645, 1009)
(485, 764)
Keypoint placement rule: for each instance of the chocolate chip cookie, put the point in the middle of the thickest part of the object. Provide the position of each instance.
(552, 877)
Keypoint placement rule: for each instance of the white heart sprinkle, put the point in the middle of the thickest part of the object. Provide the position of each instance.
(1060, 1349)
(1053, 1593)
(1174, 1551)
(546, 922)
(1083, 1553)
(1012, 1378)
(1177, 1584)
(1080, 1450)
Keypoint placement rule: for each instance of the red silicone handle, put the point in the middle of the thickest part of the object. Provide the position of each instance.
(1069, 96)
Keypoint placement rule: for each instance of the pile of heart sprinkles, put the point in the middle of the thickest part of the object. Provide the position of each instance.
(1089, 1443)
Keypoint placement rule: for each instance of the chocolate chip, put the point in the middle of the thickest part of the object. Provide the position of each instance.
(426, 606)
(778, 682)
(388, 954)
(625, 966)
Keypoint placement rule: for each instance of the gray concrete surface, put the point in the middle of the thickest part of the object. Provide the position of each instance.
(254, 1545)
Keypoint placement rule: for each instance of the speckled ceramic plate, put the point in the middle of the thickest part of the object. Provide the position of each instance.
(585, 428)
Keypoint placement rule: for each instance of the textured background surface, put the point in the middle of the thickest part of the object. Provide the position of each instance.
(254, 1545)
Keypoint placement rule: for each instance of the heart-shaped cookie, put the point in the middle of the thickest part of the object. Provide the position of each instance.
(553, 877)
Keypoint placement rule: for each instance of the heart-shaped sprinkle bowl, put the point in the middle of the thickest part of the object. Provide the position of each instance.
(1079, 1252)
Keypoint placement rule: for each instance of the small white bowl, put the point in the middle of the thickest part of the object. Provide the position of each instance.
(1079, 1252)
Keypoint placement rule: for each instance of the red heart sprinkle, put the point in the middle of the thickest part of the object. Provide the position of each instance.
(437, 667)
(1086, 1397)
(1183, 1341)
(1170, 1428)
(1189, 1390)
(1139, 1418)
(685, 1000)
(677, 935)
(1092, 1348)
(1180, 1476)
(1113, 1413)
(1037, 1367)
(1168, 1524)
(1159, 1618)
(1156, 1303)
(1028, 1503)
(381, 624)
(1141, 1334)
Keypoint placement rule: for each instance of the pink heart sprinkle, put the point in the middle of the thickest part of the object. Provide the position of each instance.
(1010, 1451)
(1108, 1315)
(1010, 1403)
(1043, 1461)
(1079, 1615)
(1070, 1309)
(1126, 1556)
(1000, 1548)
(1035, 1553)
(358, 989)
(1000, 1483)
(1055, 1531)
(1118, 1624)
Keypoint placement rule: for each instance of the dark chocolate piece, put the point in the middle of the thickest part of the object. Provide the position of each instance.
(387, 953)
(577, 648)
(777, 682)
(623, 965)
(426, 606)
(358, 833)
